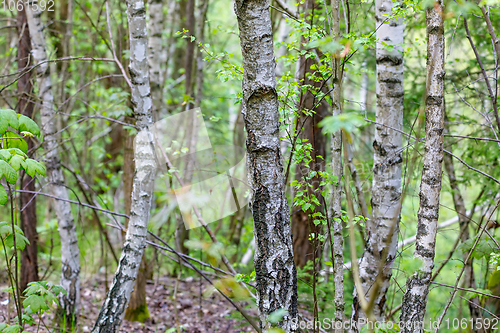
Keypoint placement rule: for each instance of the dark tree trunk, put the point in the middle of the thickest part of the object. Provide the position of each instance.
(302, 223)
(25, 105)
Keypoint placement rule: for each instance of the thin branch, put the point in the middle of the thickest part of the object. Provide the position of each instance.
(490, 91)
(74, 202)
(472, 168)
(117, 61)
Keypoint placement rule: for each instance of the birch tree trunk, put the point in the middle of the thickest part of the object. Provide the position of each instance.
(335, 210)
(417, 286)
(113, 309)
(25, 106)
(70, 253)
(274, 264)
(382, 230)
(137, 309)
(155, 53)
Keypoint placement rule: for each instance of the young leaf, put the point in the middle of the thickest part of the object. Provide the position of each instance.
(28, 125)
(15, 162)
(5, 228)
(3, 195)
(7, 171)
(12, 329)
(9, 117)
(5, 155)
(36, 303)
(14, 141)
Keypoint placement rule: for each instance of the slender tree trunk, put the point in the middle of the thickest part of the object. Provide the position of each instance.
(113, 309)
(156, 26)
(417, 286)
(137, 309)
(70, 253)
(335, 210)
(274, 264)
(382, 230)
(179, 54)
(25, 106)
(463, 220)
(189, 57)
(200, 30)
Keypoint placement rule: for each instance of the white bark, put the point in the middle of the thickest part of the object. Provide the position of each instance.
(70, 253)
(113, 309)
(417, 286)
(274, 263)
(155, 45)
(382, 230)
(335, 209)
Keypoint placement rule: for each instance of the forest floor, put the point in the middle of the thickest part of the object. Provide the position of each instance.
(215, 315)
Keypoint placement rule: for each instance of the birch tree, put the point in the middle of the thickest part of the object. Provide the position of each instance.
(335, 210)
(70, 253)
(275, 270)
(382, 230)
(417, 286)
(113, 309)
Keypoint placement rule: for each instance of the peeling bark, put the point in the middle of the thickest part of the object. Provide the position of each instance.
(417, 286)
(275, 270)
(382, 230)
(113, 309)
(70, 253)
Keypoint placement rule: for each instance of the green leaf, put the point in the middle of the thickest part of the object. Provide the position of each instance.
(5, 228)
(31, 167)
(12, 329)
(14, 141)
(28, 125)
(5, 155)
(9, 117)
(277, 315)
(36, 303)
(3, 195)
(15, 162)
(59, 290)
(17, 151)
(21, 241)
(345, 121)
(7, 171)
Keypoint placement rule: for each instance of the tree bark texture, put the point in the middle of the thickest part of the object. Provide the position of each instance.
(275, 270)
(113, 309)
(155, 45)
(417, 286)
(70, 253)
(382, 230)
(335, 209)
(25, 106)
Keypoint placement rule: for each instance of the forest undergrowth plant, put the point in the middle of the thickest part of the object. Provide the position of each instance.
(40, 296)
